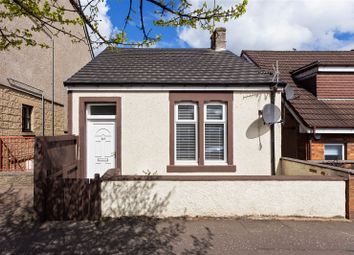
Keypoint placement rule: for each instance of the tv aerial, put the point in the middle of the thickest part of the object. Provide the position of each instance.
(271, 114)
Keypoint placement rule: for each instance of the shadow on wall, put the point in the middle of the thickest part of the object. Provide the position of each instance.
(136, 198)
(128, 235)
(257, 129)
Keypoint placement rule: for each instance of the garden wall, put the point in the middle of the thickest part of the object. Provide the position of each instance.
(223, 196)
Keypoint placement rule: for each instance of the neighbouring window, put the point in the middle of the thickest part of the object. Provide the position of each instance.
(334, 151)
(214, 133)
(186, 133)
(26, 118)
(102, 110)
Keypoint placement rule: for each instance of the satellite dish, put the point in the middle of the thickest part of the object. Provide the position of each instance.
(270, 114)
(289, 92)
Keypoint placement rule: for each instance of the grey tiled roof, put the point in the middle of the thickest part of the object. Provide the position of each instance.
(168, 66)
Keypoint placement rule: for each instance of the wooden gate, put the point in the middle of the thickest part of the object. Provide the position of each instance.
(59, 192)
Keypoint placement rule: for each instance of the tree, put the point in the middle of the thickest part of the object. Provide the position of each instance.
(53, 15)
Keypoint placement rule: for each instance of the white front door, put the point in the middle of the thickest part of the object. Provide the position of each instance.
(101, 147)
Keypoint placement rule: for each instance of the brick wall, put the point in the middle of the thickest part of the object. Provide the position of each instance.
(317, 147)
(317, 151)
(350, 197)
(11, 102)
(350, 151)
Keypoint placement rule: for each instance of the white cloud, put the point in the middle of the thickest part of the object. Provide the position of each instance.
(283, 25)
(104, 25)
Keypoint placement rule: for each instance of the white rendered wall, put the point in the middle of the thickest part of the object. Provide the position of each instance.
(223, 198)
(252, 153)
(145, 131)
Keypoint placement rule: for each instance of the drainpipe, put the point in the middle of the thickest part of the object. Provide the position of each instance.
(51, 36)
(43, 115)
(53, 82)
(272, 133)
(273, 90)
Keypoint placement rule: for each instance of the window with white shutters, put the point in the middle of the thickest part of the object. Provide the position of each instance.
(201, 132)
(215, 133)
(186, 133)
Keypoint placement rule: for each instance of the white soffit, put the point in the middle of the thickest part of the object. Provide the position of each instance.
(336, 69)
(334, 131)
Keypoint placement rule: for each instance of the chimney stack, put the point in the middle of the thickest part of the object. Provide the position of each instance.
(218, 39)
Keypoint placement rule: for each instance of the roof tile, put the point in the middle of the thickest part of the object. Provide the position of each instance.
(314, 112)
(168, 66)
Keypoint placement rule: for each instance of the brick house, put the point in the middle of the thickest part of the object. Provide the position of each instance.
(319, 120)
(27, 79)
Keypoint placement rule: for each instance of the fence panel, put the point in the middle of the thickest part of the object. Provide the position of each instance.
(54, 197)
(95, 199)
(60, 193)
(16, 153)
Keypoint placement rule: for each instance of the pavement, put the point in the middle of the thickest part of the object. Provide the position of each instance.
(20, 235)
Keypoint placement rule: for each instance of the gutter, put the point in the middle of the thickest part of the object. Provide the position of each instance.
(98, 84)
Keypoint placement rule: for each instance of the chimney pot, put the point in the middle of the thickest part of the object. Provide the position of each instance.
(218, 39)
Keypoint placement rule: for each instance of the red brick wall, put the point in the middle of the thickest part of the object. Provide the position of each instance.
(317, 147)
(335, 85)
(317, 151)
(350, 151)
(350, 198)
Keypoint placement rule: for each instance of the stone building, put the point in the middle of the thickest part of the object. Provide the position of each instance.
(26, 81)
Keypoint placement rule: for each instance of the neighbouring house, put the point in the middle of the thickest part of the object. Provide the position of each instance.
(173, 111)
(29, 78)
(319, 119)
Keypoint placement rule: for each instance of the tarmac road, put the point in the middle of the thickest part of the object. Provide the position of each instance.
(178, 236)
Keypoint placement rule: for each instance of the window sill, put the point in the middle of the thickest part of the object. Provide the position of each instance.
(28, 133)
(207, 169)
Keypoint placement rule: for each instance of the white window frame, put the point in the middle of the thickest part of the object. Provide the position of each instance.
(92, 117)
(224, 122)
(194, 121)
(341, 144)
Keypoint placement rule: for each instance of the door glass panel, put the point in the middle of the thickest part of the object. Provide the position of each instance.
(103, 110)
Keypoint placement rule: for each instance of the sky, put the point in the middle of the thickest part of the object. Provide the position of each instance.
(266, 25)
